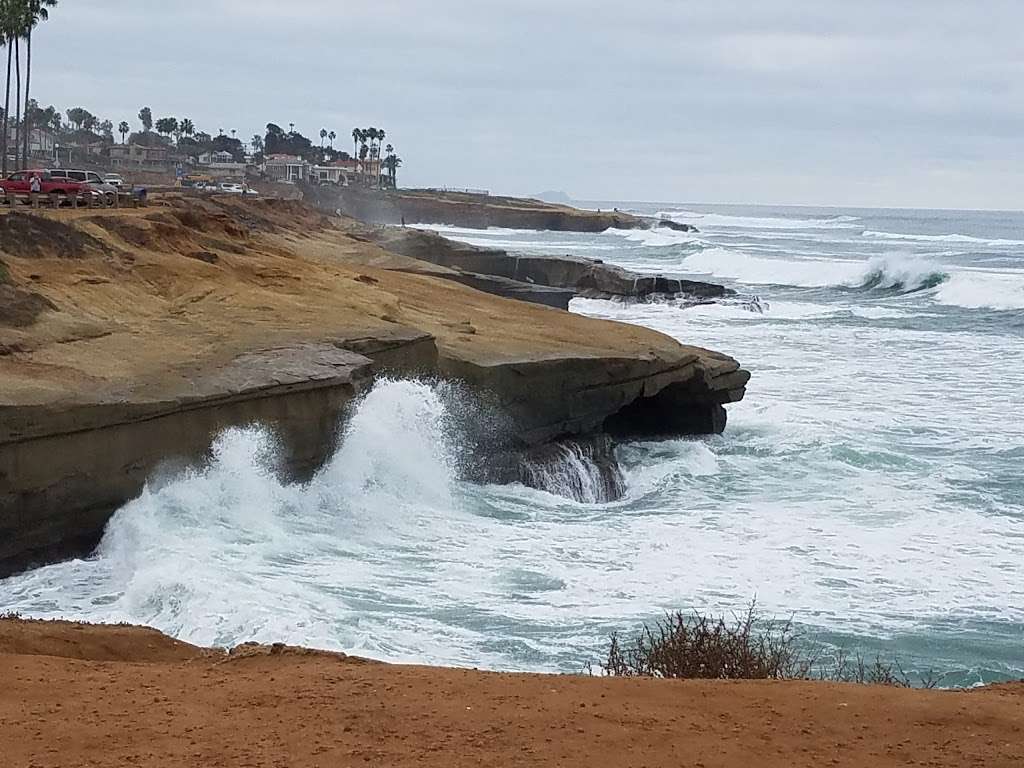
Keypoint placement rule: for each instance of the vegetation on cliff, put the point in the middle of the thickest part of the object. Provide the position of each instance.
(698, 646)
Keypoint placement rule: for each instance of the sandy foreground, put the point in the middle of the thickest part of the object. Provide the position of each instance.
(75, 695)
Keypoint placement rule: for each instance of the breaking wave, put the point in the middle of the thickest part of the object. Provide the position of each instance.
(654, 238)
(724, 221)
(897, 275)
(940, 238)
(893, 274)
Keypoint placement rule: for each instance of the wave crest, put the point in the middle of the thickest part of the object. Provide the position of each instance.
(900, 276)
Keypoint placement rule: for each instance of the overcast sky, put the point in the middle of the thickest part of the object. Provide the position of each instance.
(874, 102)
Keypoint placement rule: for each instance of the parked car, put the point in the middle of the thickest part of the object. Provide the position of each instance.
(93, 179)
(231, 189)
(116, 179)
(20, 183)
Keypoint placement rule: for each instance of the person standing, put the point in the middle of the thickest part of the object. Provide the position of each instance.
(35, 186)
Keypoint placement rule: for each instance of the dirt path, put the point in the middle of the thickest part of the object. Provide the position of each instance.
(128, 697)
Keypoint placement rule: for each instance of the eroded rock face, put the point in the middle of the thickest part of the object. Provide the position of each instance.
(20, 308)
(29, 236)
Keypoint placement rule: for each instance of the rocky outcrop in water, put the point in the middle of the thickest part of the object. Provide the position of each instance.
(675, 226)
(583, 277)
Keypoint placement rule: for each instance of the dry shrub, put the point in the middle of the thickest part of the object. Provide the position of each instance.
(700, 647)
(695, 646)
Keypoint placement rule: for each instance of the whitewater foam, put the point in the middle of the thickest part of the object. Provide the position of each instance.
(572, 471)
(978, 289)
(653, 238)
(759, 270)
(724, 221)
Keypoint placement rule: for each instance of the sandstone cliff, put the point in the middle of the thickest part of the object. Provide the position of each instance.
(159, 327)
(466, 210)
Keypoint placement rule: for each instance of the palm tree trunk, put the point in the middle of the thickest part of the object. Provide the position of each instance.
(7, 102)
(17, 100)
(28, 76)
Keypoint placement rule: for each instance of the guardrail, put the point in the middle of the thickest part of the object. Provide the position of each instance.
(460, 190)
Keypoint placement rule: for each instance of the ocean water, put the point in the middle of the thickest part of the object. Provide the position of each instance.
(871, 486)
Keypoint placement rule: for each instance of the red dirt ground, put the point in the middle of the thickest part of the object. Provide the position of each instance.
(72, 695)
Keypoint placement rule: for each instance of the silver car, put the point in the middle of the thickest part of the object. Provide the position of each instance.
(93, 179)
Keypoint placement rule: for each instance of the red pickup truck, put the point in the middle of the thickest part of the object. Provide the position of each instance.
(20, 184)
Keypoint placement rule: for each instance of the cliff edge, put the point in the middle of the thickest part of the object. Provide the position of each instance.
(130, 696)
(145, 332)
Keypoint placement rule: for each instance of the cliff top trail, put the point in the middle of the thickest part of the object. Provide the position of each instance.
(131, 304)
(131, 696)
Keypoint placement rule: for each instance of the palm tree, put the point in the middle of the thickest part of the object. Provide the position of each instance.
(356, 133)
(392, 164)
(233, 132)
(257, 144)
(18, 21)
(371, 134)
(364, 150)
(380, 142)
(8, 24)
(187, 126)
(323, 137)
(332, 136)
(36, 11)
(123, 129)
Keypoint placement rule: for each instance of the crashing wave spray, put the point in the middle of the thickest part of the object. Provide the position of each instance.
(587, 472)
(900, 275)
(397, 441)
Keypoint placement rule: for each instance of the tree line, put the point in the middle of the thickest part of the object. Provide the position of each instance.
(367, 143)
(18, 19)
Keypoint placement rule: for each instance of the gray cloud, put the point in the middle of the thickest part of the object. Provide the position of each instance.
(916, 102)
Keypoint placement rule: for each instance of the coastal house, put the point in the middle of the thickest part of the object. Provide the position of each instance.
(210, 158)
(286, 168)
(136, 154)
(41, 141)
(222, 165)
(340, 172)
